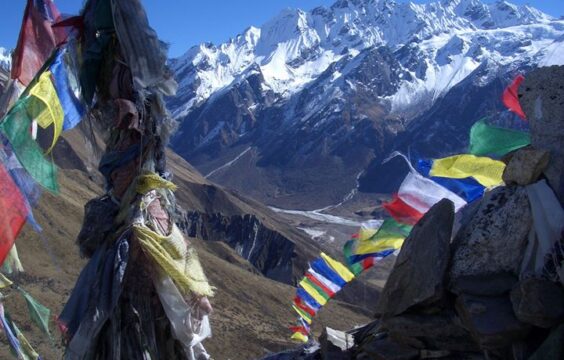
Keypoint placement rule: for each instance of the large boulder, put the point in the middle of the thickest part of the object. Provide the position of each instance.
(418, 275)
(493, 240)
(538, 302)
(490, 320)
(526, 166)
(484, 284)
(431, 331)
(542, 99)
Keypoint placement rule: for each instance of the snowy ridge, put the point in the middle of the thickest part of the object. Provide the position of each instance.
(295, 47)
(5, 59)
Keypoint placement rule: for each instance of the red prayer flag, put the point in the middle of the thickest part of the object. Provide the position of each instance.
(299, 329)
(402, 212)
(13, 212)
(37, 39)
(511, 97)
(298, 302)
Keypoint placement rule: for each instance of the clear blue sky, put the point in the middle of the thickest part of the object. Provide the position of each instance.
(184, 23)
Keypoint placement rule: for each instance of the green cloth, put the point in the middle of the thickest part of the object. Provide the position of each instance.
(16, 127)
(490, 140)
(37, 312)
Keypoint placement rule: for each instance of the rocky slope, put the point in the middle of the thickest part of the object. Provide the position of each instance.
(252, 312)
(294, 113)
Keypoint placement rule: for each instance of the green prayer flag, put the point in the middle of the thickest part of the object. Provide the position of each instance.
(16, 127)
(490, 140)
(37, 312)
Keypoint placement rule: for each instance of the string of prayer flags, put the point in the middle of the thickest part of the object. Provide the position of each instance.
(324, 278)
(484, 170)
(491, 140)
(511, 97)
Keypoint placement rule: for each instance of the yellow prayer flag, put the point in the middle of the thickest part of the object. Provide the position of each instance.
(313, 293)
(385, 243)
(486, 171)
(49, 111)
(299, 337)
(338, 268)
(4, 281)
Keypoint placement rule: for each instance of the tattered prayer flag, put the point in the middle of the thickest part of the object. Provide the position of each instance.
(12, 338)
(469, 189)
(486, 171)
(67, 89)
(4, 281)
(421, 193)
(511, 97)
(13, 212)
(37, 312)
(16, 127)
(491, 140)
(37, 39)
(43, 106)
(402, 212)
(28, 353)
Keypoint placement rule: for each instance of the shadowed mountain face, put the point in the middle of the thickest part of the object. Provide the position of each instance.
(294, 113)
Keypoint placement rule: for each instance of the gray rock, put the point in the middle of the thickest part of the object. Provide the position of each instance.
(486, 285)
(538, 302)
(526, 166)
(553, 347)
(438, 331)
(386, 349)
(490, 320)
(494, 239)
(418, 275)
(542, 99)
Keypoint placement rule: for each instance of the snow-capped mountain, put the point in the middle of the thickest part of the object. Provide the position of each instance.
(294, 111)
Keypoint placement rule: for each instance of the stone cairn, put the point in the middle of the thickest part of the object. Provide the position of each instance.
(460, 288)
